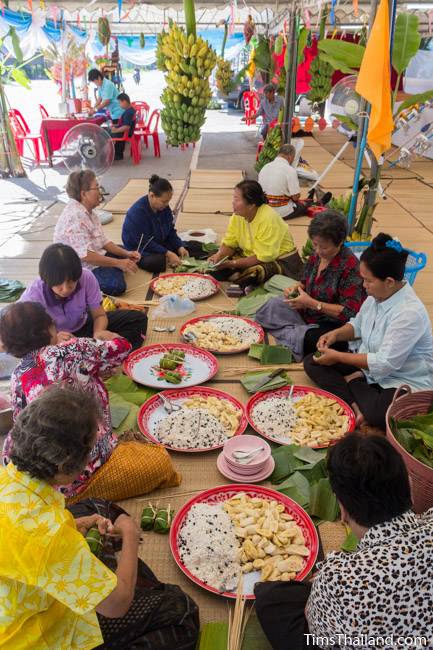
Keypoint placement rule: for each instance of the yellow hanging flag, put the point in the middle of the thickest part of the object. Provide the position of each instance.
(374, 82)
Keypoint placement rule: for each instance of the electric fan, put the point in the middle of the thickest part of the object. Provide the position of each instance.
(344, 103)
(87, 146)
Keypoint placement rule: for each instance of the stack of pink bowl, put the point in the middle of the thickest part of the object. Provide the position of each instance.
(260, 464)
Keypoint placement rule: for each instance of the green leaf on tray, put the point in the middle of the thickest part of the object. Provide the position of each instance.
(350, 544)
(323, 502)
(213, 635)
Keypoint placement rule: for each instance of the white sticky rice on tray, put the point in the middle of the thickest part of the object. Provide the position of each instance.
(275, 416)
(208, 546)
(191, 429)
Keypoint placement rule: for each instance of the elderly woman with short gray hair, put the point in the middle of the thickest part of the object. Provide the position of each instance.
(329, 294)
(79, 227)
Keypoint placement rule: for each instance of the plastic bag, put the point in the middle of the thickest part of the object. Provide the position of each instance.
(172, 306)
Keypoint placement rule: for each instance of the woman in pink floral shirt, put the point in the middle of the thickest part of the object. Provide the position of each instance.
(28, 332)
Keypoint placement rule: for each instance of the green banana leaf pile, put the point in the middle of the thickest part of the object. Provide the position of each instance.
(416, 436)
(300, 473)
(125, 398)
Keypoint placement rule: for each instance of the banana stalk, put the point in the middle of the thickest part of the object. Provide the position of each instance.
(189, 10)
(10, 161)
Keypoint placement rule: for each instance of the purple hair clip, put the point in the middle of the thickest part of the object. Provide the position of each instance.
(393, 243)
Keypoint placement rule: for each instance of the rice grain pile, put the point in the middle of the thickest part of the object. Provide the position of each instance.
(208, 546)
(191, 428)
(275, 416)
(187, 287)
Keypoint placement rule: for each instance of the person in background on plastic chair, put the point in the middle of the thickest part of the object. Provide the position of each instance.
(125, 125)
(281, 185)
(79, 227)
(383, 590)
(270, 107)
(107, 95)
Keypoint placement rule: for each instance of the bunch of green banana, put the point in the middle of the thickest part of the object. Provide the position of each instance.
(104, 31)
(341, 203)
(188, 62)
(271, 147)
(224, 76)
(321, 80)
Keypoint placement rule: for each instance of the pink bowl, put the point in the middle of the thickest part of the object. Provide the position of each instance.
(246, 443)
(241, 471)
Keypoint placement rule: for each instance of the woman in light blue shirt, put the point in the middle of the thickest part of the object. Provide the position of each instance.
(391, 335)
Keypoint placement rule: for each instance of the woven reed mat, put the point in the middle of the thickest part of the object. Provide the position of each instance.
(208, 200)
(215, 178)
(135, 189)
(198, 221)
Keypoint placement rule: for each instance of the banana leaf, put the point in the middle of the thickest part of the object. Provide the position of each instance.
(302, 42)
(406, 41)
(285, 463)
(251, 379)
(406, 439)
(129, 390)
(10, 290)
(421, 455)
(293, 493)
(249, 305)
(350, 544)
(314, 472)
(277, 283)
(262, 56)
(270, 354)
(343, 56)
(213, 635)
(419, 98)
(128, 423)
(300, 483)
(309, 455)
(323, 502)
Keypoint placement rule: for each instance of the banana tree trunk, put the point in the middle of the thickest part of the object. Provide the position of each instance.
(189, 11)
(10, 161)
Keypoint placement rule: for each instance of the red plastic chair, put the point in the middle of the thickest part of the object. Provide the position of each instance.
(142, 110)
(251, 106)
(21, 132)
(151, 131)
(135, 148)
(43, 111)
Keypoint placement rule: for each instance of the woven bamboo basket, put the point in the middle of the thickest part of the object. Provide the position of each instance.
(404, 406)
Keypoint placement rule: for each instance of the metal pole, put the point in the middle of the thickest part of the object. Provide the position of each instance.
(291, 70)
(362, 130)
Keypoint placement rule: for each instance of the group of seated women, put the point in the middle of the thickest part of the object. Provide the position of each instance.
(372, 334)
(368, 346)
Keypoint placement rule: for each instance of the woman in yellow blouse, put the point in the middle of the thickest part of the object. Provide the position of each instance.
(52, 588)
(258, 243)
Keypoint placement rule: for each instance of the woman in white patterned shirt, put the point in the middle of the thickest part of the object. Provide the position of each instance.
(79, 227)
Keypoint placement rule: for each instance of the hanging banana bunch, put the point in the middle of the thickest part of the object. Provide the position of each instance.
(224, 76)
(273, 142)
(188, 62)
(321, 80)
(104, 31)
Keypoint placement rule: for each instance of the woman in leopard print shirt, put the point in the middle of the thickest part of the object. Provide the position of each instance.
(385, 588)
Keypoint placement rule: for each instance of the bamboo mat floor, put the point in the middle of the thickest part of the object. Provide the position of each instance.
(405, 213)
